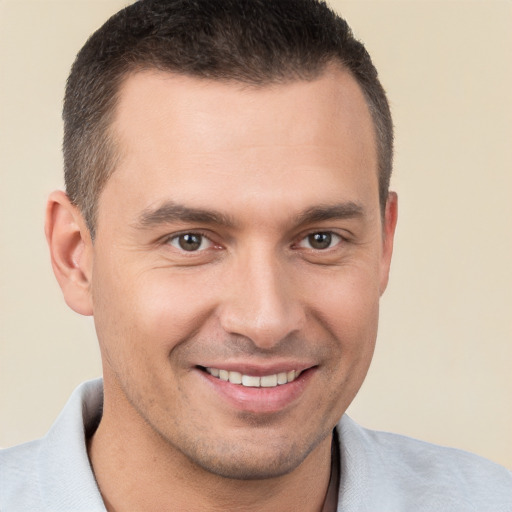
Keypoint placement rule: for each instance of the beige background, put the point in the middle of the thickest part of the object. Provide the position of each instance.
(442, 370)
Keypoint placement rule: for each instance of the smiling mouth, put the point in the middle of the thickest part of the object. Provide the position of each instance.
(252, 381)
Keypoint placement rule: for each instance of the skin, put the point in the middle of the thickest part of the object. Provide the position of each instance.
(267, 167)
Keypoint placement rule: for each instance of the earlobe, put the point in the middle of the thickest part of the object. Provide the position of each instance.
(390, 220)
(70, 247)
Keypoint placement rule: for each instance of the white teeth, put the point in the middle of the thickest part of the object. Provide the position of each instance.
(251, 381)
(235, 377)
(269, 381)
(282, 378)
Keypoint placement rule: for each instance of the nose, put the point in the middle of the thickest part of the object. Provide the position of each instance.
(261, 301)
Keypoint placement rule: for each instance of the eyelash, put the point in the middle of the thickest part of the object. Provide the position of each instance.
(332, 237)
(176, 238)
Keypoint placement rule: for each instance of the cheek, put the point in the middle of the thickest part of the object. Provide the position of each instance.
(147, 313)
(348, 308)
(347, 301)
(170, 307)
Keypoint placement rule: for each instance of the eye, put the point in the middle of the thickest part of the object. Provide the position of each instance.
(190, 242)
(320, 241)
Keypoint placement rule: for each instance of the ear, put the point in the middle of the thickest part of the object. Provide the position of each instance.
(390, 219)
(71, 251)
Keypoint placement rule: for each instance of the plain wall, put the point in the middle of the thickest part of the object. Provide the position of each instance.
(442, 369)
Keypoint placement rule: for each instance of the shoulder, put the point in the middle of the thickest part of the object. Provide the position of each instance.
(19, 476)
(53, 473)
(421, 475)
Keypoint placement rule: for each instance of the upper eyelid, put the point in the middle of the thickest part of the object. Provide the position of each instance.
(199, 232)
(213, 238)
(167, 243)
(343, 234)
(330, 232)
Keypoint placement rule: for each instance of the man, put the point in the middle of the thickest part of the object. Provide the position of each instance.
(227, 222)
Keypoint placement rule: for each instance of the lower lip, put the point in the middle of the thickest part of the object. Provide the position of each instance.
(260, 400)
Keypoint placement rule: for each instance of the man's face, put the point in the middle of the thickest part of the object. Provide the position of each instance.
(239, 238)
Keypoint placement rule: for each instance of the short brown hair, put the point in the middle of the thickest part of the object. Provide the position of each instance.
(251, 41)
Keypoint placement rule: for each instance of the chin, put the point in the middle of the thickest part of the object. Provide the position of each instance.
(252, 459)
(247, 466)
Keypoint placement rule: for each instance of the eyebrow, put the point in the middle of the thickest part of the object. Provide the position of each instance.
(346, 210)
(170, 212)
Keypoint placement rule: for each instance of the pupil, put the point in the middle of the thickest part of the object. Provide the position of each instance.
(190, 242)
(320, 240)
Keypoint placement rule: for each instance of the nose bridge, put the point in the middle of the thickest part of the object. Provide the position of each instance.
(261, 303)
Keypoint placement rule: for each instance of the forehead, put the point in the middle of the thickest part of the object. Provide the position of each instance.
(241, 109)
(183, 136)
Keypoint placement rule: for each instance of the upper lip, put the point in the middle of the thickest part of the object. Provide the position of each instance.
(259, 370)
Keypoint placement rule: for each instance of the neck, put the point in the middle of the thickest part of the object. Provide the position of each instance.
(136, 469)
